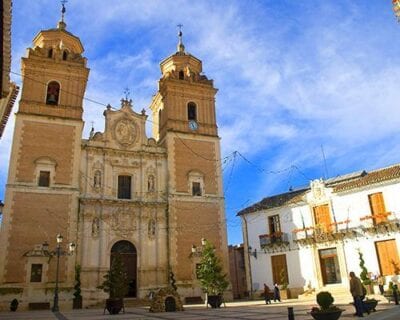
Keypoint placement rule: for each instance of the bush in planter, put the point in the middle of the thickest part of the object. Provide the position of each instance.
(364, 271)
(210, 273)
(116, 285)
(326, 311)
(77, 301)
(14, 305)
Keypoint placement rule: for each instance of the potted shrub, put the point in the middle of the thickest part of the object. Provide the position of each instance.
(14, 305)
(77, 301)
(326, 310)
(116, 285)
(284, 291)
(210, 273)
(364, 275)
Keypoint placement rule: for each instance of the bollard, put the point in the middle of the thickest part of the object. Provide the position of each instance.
(290, 313)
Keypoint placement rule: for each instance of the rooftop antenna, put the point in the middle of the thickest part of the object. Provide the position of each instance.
(325, 166)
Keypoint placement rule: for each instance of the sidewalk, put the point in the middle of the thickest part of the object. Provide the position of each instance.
(248, 310)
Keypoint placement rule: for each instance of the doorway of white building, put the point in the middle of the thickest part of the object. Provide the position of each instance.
(330, 269)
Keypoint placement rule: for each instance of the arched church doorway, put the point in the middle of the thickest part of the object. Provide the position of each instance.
(127, 252)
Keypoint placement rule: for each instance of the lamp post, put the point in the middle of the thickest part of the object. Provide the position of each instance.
(58, 252)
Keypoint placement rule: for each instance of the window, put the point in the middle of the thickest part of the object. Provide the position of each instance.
(124, 187)
(50, 53)
(65, 55)
(44, 179)
(388, 256)
(196, 189)
(53, 92)
(377, 206)
(192, 112)
(36, 272)
(181, 75)
(274, 224)
(322, 218)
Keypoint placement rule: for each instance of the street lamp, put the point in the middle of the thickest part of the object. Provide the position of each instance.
(58, 252)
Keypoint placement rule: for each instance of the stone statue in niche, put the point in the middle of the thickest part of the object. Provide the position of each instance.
(97, 179)
(95, 227)
(151, 183)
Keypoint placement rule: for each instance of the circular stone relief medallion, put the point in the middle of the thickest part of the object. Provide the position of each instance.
(125, 132)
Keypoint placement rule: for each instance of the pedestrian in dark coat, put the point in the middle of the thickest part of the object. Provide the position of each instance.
(277, 294)
(267, 294)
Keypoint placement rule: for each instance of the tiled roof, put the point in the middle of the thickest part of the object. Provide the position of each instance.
(275, 201)
(372, 177)
(339, 184)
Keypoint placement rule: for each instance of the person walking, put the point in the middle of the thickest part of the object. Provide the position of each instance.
(381, 283)
(356, 290)
(267, 294)
(277, 294)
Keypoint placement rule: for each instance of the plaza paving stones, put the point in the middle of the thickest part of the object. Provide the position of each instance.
(249, 310)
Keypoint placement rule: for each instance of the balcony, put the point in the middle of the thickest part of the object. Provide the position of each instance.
(273, 242)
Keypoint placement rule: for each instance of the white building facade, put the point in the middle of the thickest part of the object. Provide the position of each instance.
(311, 238)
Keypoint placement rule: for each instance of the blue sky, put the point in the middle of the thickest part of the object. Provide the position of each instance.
(292, 76)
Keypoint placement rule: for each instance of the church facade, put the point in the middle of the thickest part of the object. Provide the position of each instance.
(149, 199)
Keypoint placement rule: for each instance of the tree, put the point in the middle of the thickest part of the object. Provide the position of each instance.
(116, 279)
(364, 271)
(210, 272)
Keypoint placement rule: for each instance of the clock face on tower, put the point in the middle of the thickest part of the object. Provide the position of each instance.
(193, 125)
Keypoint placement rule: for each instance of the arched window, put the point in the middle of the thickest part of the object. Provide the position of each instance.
(53, 92)
(181, 75)
(50, 53)
(65, 55)
(192, 111)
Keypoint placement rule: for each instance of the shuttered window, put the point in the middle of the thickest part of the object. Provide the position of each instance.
(274, 224)
(322, 217)
(377, 206)
(388, 256)
(124, 187)
(278, 263)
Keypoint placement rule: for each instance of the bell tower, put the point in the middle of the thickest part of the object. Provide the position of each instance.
(185, 124)
(43, 181)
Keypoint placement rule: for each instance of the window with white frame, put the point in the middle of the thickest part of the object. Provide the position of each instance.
(196, 183)
(45, 171)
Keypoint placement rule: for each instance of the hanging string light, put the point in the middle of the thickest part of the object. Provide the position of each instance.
(396, 8)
